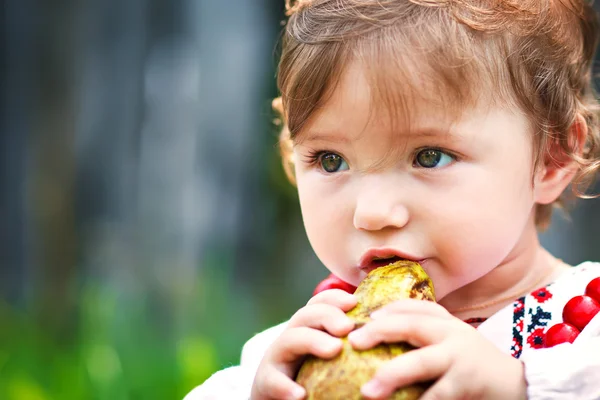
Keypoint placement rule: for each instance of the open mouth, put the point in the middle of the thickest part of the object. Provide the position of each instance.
(380, 262)
(379, 257)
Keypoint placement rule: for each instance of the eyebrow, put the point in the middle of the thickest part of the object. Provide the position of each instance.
(433, 132)
(335, 137)
(319, 136)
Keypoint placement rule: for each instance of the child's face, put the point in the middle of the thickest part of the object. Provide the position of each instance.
(455, 194)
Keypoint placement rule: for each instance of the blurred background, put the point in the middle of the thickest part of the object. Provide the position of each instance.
(147, 228)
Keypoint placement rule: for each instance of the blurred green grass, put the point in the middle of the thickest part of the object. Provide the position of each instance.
(118, 349)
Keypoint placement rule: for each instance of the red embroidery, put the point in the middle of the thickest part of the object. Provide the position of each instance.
(519, 304)
(518, 315)
(542, 295)
(536, 338)
(516, 348)
(520, 325)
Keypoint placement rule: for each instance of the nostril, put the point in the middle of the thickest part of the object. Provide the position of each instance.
(376, 216)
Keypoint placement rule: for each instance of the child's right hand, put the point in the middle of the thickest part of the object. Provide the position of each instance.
(315, 329)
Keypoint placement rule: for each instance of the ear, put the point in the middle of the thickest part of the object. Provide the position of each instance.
(558, 170)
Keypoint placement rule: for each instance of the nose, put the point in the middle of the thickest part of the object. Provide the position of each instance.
(380, 207)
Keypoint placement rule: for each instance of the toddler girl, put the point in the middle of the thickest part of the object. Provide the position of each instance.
(442, 132)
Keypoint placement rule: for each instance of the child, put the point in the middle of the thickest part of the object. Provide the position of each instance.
(442, 132)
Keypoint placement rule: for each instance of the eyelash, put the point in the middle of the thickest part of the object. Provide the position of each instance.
(314, 157)
(454, 156)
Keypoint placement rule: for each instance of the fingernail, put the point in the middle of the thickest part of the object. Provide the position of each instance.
(350, 301)
(355, 336)
(377, 314)
(372, 389)
(331, 344)
(349, 324)
(298, 393)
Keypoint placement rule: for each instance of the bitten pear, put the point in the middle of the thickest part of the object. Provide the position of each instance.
(342, 377)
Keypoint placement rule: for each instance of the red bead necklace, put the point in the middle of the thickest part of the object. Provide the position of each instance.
(577, 313)
(333, 282)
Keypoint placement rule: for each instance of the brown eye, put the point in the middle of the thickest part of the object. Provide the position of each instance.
(332, 162)
(433, 158)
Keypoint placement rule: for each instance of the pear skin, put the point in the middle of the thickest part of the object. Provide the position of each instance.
(342, 377)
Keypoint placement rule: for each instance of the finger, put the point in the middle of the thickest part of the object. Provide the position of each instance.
(420, 365)
(335, 297)
(273, 384)
(445, 389)
(412, 306)
(294, 344)
(418, 330)
(323, 317)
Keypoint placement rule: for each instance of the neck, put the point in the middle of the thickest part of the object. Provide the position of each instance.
(527, 267)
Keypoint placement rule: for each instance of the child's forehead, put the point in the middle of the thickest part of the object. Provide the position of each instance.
(363, 101)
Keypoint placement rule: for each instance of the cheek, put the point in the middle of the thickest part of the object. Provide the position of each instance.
(476, 228)
(324, 218)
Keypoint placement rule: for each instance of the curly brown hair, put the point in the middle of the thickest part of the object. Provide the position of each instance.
(534, 54)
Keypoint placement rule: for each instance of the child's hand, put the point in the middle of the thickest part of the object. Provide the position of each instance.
(464, 364)
(314, 329)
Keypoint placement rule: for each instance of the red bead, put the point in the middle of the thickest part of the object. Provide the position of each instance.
(580, 310)
(333, 282)
(593, 289)
(560, 333)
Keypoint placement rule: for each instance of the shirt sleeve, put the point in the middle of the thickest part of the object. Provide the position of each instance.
(566, 371)
(235, 383)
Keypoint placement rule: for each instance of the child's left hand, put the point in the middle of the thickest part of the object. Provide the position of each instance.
(464, 364)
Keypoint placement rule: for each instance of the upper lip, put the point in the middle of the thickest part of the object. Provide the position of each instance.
(380, 253)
